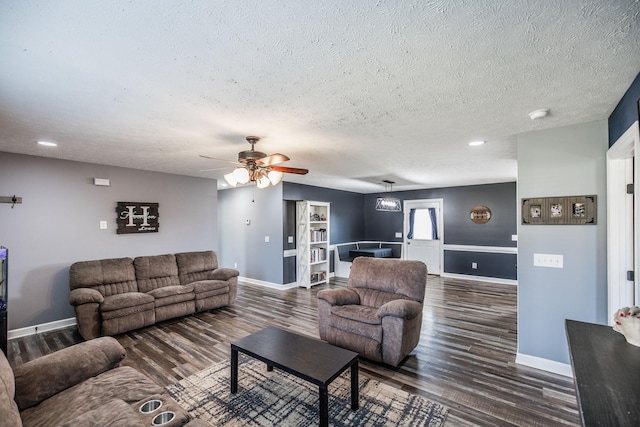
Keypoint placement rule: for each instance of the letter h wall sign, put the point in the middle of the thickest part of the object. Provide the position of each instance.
(135, 217)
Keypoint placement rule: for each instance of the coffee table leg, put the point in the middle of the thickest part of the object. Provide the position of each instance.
(355, 397)
(324, 407)
(234, 371)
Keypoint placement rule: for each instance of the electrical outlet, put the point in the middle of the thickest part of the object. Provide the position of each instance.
(103, 225)
(235, 265)
(266, 239)
(474, 265)
(290, 239)
(398, 235)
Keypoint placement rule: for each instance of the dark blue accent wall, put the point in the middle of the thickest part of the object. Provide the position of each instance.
(458, 202)
(354, 218)
(458, 227)
(625, 113)
(502, 266)
(346, 210)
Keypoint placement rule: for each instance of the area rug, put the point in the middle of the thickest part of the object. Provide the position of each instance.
(279, 399)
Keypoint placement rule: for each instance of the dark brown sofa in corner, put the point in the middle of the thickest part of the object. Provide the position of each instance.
(117, 295)
(82, 385)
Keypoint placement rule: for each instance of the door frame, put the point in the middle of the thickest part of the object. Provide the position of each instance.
(408, 204)
(622, 236)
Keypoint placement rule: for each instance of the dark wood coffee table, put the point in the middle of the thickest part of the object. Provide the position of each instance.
(310, 359)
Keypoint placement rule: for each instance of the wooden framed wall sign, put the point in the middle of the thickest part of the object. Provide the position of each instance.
(137, 217)
(568, 210)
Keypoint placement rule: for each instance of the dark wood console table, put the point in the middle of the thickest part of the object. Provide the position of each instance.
(606, 370)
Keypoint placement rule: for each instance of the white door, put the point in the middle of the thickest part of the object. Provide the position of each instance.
(423, 232)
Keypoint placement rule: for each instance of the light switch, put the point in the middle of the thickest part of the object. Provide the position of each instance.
(290, 239)
(548, 260)
(266, 239)
(103, 225)
(398, 235)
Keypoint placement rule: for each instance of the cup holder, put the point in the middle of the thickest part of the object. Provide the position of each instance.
(150, 406)
(163, 418)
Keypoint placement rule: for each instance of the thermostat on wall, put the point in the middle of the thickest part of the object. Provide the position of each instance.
(101, 181)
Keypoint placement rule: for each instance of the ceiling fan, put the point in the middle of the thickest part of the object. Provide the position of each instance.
(256, 166)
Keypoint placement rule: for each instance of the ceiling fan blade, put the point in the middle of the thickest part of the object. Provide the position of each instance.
(214, 169)
(220, 160)
(290, 170)
(272, 159)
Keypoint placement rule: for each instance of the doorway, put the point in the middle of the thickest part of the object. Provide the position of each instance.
(622, 234)
(424, 233)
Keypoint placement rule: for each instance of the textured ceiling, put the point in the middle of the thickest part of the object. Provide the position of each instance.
(355, 91)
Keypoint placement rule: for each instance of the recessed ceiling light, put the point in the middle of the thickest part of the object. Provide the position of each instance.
(474, 143)
(48, 144)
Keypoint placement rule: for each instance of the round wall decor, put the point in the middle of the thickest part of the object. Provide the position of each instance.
(480, 214)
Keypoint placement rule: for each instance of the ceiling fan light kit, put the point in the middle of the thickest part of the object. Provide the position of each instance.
(256, 166)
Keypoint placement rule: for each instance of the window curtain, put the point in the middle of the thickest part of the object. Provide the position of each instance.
(412, 216)
(434, 225)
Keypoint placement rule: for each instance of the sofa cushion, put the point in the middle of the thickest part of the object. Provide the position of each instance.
(371, 331)
(8, 408)
(64, 369)
(153, 272)
(123, 383)
(169, 291)
(172, 295)
(114, 412)
(359, 313)
(384, 275)
(209, 288)
(119, 302)
(108, 276)
(195, 266)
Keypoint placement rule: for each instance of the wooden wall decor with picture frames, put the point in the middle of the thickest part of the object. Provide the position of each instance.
(568, 210)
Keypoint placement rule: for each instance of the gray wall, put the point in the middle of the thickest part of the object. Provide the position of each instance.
(58, 224)
(244, 245)
(561, 162)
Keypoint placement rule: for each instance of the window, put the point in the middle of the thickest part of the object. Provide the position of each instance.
(422, 224)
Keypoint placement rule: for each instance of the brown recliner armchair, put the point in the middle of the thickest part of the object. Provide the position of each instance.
(379, 314)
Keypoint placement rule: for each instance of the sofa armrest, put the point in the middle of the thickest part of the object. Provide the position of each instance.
(81, 296)
(339, 296)
(403, 308)
(48, 375)
(223, 274)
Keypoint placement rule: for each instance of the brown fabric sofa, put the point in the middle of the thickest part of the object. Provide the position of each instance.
(117, 295)
(82, 385)
(379, 314)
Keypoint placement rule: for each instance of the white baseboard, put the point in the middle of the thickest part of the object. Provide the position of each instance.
(544, 364)
(268, 284)
(272, 285)
(43, 327)
(480, 278)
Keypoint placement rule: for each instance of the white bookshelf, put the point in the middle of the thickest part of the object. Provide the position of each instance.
(312, 246)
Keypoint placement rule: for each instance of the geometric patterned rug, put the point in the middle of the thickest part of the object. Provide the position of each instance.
(278, 399)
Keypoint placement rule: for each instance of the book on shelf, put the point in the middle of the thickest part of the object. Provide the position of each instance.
(319, 235)
(318, 254)
(318, 276)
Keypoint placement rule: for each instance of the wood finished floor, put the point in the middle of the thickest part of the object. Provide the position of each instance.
(465, 359)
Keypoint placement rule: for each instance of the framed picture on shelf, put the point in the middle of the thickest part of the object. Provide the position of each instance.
(568, 210)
